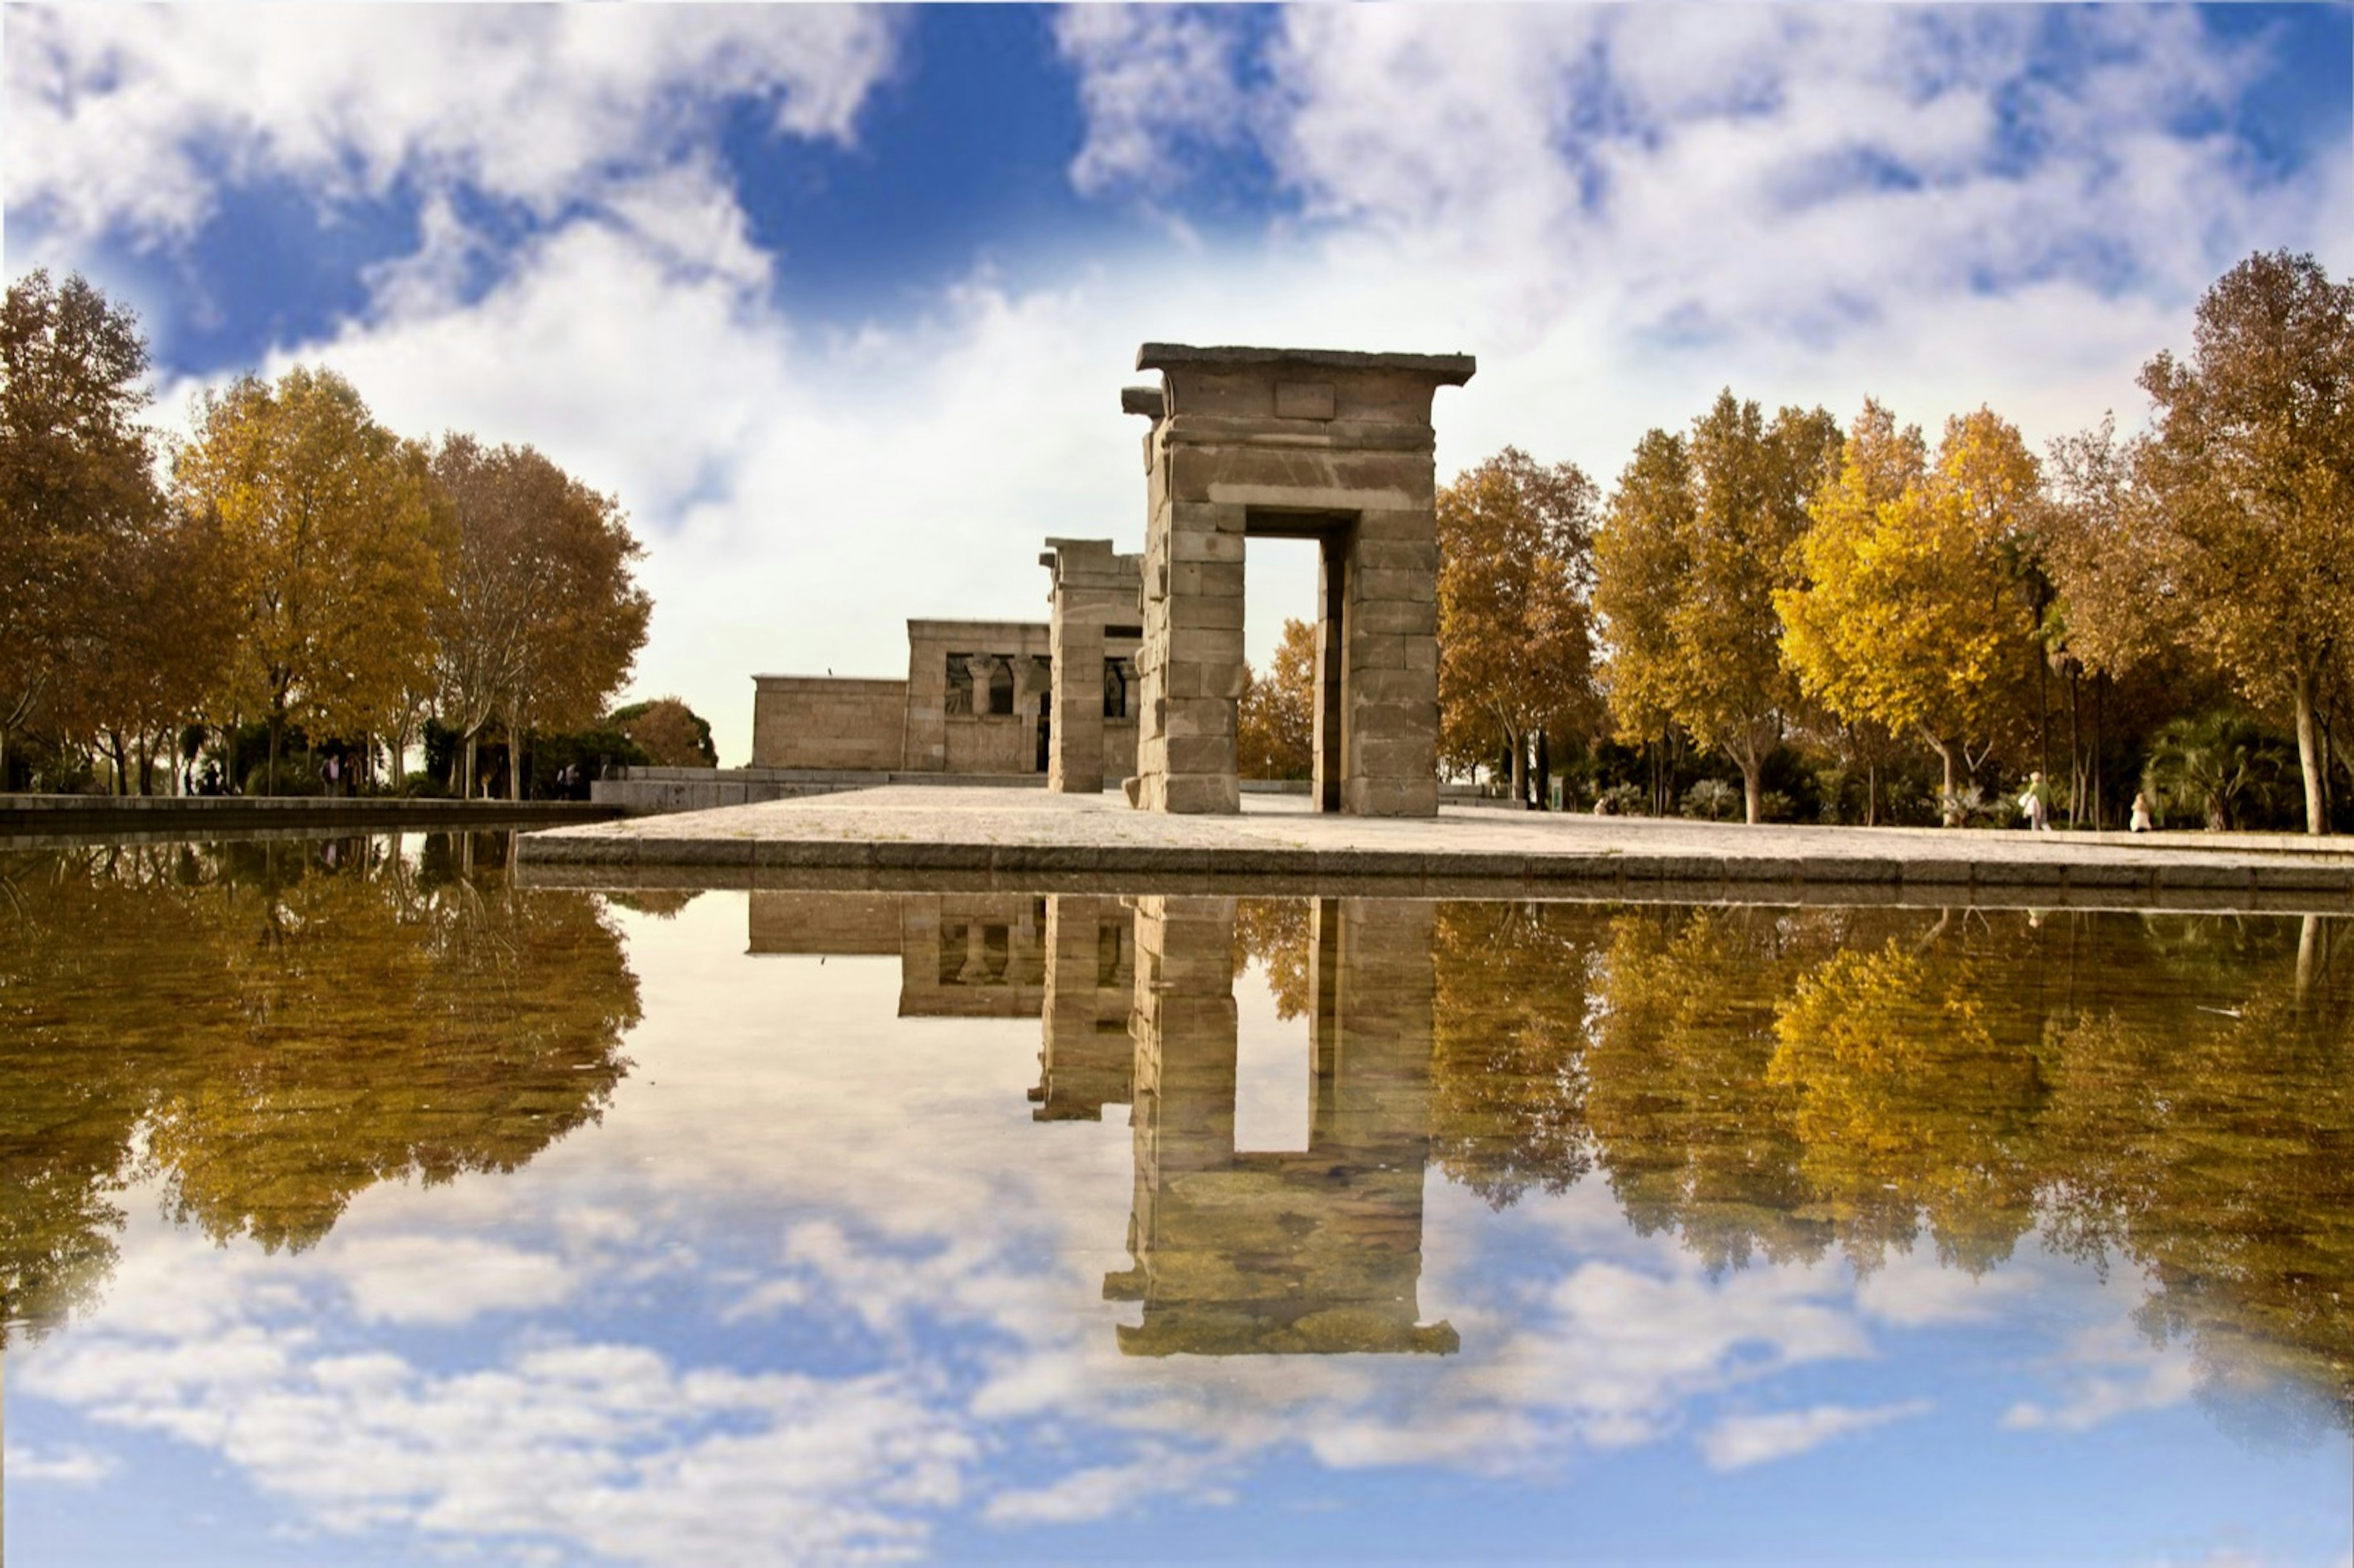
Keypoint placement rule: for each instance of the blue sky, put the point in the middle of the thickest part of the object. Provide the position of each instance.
(838, 302)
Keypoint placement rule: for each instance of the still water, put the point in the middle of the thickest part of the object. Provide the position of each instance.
(358, 1206)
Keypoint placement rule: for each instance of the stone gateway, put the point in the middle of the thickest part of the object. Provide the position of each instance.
(1292, 443)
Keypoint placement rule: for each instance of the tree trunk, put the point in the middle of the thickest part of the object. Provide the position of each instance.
(466, 778)
(1946, 814)
(1544, 773)
(2101, 707)
(1752, 789)
(2075, 748)
(1520, 770)
(1871, 794)
(2308, 756)
(277, 731)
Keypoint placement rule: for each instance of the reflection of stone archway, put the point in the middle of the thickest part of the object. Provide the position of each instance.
(1296, 443)
(1314, 1252)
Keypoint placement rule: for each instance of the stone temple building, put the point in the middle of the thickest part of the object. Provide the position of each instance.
(978, 699)
(1137, 676)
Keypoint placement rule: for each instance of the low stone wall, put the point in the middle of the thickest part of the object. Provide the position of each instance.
(69, 817)
(828, 721)
(655, 791)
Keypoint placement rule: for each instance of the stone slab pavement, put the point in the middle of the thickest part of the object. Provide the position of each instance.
(908, 836)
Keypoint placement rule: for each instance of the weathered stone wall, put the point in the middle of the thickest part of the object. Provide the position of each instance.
(826, 721)
(938, 741)
(1307, 444)
(1096, 608)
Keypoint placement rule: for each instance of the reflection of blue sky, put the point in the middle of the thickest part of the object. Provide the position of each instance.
(818, 1285)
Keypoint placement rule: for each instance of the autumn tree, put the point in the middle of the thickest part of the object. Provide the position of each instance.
(2252, 462)
(1906, 613)
(1515, 624)
(77, 479)
(1639, 554)
(1701, 532)
(543, 618)
(669, 731)
(1275, 724)
(337, 547)
(155, 654)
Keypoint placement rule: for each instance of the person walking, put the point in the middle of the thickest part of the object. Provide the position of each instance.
(2037, 804)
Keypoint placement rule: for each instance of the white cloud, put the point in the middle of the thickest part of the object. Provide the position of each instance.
(1150, 75)
(69, 1466)
(1737, 1442)
(138, 115)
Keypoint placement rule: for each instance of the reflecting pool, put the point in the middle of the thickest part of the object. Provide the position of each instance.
(360, 1207)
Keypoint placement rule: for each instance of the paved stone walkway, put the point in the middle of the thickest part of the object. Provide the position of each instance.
(1025, 835)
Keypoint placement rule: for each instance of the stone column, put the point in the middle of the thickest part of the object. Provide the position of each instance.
(1093, 587)
(1390, 681)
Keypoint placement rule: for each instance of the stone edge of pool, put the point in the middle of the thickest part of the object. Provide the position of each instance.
(728, 848)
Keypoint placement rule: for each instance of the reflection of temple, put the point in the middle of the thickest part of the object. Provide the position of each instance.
(1319, 1251)
(962, 955)
(1236, 1253)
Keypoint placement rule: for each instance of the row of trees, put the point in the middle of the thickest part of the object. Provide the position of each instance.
(1777, 592)
(290, 563)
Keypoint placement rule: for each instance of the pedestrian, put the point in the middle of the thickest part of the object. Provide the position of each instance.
(2141, 823)
(2037, 804)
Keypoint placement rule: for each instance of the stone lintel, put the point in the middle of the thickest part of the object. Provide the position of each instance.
(1444, 369)
(1144, 401)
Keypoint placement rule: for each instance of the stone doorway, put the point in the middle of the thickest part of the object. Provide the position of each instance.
(1293, 443)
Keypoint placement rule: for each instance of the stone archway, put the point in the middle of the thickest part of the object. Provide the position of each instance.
(1283, 443)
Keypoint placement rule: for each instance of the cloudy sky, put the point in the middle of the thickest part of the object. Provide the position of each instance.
(839, 301)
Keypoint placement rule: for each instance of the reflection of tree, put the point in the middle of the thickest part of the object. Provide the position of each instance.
(2174, 1091)
(1908, 1103)
(1274, 934)
(308, 1019)
(1690, 1134)
(2218, 1150)
(1508, 1107)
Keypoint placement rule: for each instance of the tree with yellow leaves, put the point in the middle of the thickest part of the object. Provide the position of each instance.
(1702, 530)
(1906, 613)
(1275, 732)
(1515, 626)
(336, 544)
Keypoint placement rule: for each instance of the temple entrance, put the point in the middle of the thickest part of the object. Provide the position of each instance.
(1328, 534)
(1330, 447)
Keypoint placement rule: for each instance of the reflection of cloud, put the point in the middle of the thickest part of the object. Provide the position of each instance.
(1913, 1290)
(1739, 1441)
(71, 1467)
(610, 1446)
(908, 1272)
(444, 1279)
(2110, 1370)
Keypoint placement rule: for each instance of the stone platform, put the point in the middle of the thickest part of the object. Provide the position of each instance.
(930, 838)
